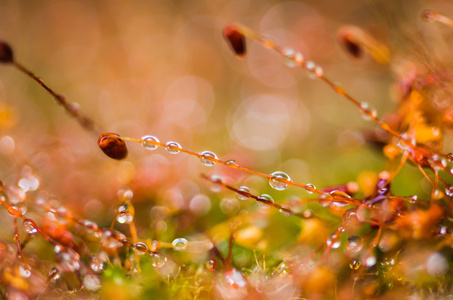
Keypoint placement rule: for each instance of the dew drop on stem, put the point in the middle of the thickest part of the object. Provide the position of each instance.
(180, 244)
(310, 188)
(265, 201)
(150, 142)
(215, 183)
(211, 264)
(367, 111)
(291, 57)
(243, 193)
(173, 147)
(140, 248)
(231, 162)
(125, 213)
(208, 158)
(277, 180)
(30, 226)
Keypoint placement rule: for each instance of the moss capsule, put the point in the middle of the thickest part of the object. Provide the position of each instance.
(112, 145)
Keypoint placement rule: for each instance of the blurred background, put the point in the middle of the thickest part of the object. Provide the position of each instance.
(162, 68)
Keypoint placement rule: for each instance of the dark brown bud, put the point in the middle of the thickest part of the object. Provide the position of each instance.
(112, 145)
(6, 53)
(235, 39)
(350, 44)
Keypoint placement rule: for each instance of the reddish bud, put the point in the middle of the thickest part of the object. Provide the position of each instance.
(112, 145)
(6, 53)
(235, 39)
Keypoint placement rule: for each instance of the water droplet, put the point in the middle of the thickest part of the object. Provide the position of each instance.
(30, 226)
(449, 191)
(211, 264)
(180, 244)
(112, 145)
(337, 198)
(90, 225)
(325, 199)
(308, 213)
(25, 270)
(92, 282)
(159, 260)
(231, 162)
(97, 265)
(310, 188)
(68, 260)
(333, 242)
(14, 211)
(290, 56)
(299, 58)
(155, 246)
(58, 248)
(437, 194)
(355, 243)
(350, 217)
(276, 183)
(243, 193)
(173, 147)
(16, 237)
(442, 230)
(109, 242)
(216, 183)
(140, 248)
(370, 261)
(62, 212)
(367, 111)
(208, 158)
(282, 269)
(310, 66)
(285, 209)
(406, 142)
(413, 199)
(319, 72)
(125, 213)
(24, 184)
(264, 201)
(125, 194)
(450, 157)
(355, 264)
(150, 142)
(438, 163)
(54, 274)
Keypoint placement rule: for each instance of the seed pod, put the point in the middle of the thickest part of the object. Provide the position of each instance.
(235, 39)
(112, 145)
(6, 53)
